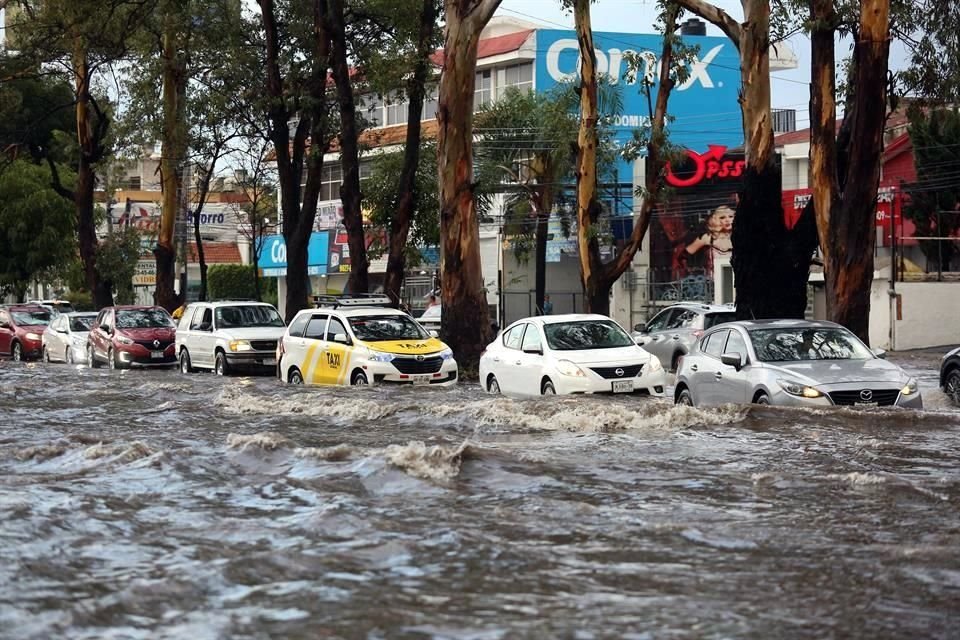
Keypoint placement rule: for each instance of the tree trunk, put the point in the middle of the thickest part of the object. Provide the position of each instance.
(771, 264)
(400, 222)
(350, 195)
(298, 212)
(90, 136)
(596, 296)
(171, 166)
(200, 257)
(848, 265)
(466, 318)
(543, 205)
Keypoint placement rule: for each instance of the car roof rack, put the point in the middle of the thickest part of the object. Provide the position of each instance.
(352, 300)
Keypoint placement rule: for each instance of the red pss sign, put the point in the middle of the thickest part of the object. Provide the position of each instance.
(707, 166)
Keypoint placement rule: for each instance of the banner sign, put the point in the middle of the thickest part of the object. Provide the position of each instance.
(273, 258)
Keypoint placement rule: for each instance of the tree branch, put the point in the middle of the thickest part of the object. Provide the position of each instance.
(711, 13)
(55, 182)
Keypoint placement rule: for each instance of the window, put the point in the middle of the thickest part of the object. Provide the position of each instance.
(808, 343)
(713, 319)
(201, 315)
(316, 327)
(366, 169)
(248, 316)
(735, 344)
(683, 319)
(81, 323)
(381, 328)
(430, 106)
(659, 322)
(334, 328)
(298, 324)
(483, 92)
(372, 110)
(513, 337)
(330, 180)
(531, 339)
(519, 76)
(585, 335)
(397, 111)
(715, 344)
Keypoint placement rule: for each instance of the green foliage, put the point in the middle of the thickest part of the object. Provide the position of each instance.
(934, 204)
(36, 225)
(235, 282)
(81, 300)
(117, 257)
(380, 198)
(33, 110)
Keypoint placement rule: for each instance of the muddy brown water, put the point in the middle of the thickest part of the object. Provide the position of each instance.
(156, 505)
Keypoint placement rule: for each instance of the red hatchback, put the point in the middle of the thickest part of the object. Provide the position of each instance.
(21, 330)
(130, 336)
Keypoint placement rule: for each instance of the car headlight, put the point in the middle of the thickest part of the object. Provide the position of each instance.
(124, 340)
(380, 356)
(910, 388)
(240, 345)
(447, 354)
(655, 364)
(567, 368)
(798, 389)
(33, 336)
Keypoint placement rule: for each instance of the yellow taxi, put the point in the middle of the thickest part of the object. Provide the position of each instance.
(359, 340)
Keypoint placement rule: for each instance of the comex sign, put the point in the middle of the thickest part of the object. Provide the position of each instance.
(611, 63)
(273, 259)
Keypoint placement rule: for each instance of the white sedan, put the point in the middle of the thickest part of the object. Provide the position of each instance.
(576, 353)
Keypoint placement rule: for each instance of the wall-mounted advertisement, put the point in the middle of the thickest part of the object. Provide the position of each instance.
(693, 230)
(273, 258)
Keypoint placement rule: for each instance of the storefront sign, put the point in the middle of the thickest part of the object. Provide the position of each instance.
(146, 274)
(711, 165)
(273, 258)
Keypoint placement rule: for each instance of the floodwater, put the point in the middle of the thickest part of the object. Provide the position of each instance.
(155, 505)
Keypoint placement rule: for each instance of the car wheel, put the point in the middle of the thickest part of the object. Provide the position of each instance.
(951, 386)
(112, 359)
(548, 389)
(761, 398)
(185, 362)
(92, 359)
(68, 356)
(220, 366)
(493, 386)
(17, 352)
(46, 355)
(359, 379)
(295, 377)
(685, 398)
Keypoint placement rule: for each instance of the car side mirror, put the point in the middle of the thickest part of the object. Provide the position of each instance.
(880, 353)
(6, 325)
(60, 330)
(734, 360)
(341, 338)
(533, 350)
(433, 334)
(640, 328)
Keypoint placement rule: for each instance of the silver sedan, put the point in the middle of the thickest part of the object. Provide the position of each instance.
(65, 339)
(790, 362)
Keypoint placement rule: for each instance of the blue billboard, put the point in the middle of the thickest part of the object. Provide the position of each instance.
(704, 106)
(273, 257)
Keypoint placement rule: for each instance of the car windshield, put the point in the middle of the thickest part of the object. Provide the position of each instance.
(143, 319)
(381, 328)
(713, 319)
(807, 343)
(585, 334)
(31, 318)
(81, 323)
(253, 315)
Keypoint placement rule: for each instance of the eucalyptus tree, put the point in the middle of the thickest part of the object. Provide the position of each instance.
(466, 317)
(82, 41)
(292, 46)
(598, 277)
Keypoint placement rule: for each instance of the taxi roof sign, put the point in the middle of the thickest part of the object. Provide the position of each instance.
(352, 300)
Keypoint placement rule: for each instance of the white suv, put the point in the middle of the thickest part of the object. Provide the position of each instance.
(358, 340)
(229, 335)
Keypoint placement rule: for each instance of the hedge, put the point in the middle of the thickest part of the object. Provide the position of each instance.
(235, 282)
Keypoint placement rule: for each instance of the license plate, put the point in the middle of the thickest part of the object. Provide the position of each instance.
(156, 355)
(623, 386)
(420, 379)
(865, 404)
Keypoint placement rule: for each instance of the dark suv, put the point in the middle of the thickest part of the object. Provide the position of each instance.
(673, 332)
(132, 336)
(21, 330)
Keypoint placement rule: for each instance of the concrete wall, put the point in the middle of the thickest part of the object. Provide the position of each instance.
(929, 315)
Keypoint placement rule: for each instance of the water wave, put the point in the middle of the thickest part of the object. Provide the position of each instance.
(437, 462)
